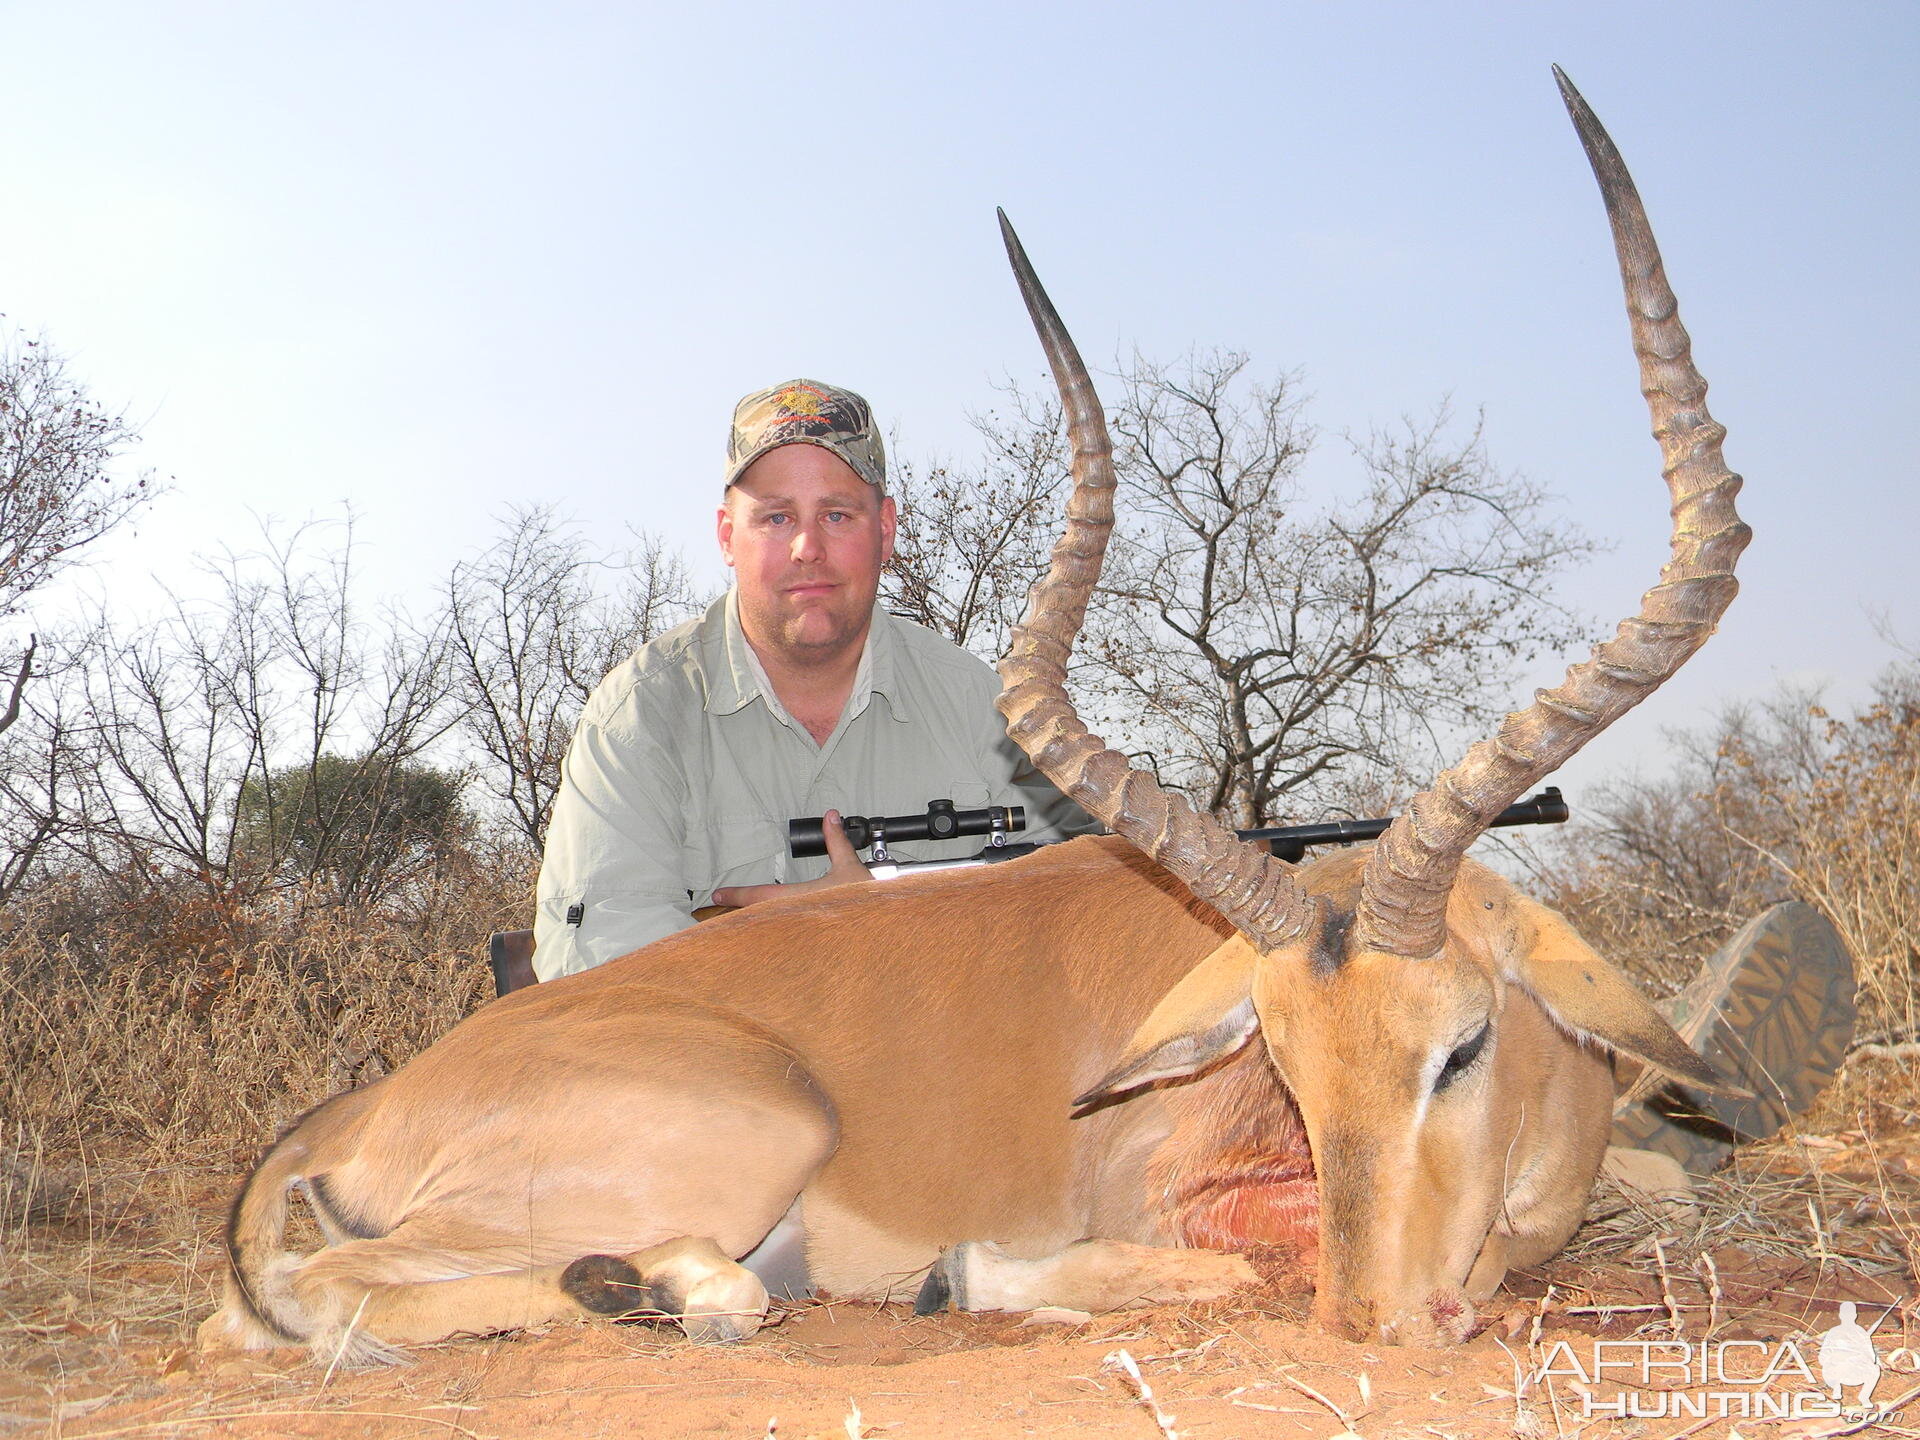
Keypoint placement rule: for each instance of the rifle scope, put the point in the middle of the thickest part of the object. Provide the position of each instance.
(807, 835)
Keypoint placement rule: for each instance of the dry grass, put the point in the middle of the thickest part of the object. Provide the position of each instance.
(1786, 802)
(150, 1052)
(1827, 1210)
(115, 1254)
(146, 1029)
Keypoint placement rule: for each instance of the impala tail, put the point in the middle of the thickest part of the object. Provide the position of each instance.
(262, 1308)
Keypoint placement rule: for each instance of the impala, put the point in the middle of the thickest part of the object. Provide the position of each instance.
(1085, 1078)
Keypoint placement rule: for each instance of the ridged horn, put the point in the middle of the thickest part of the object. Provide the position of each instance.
(1403, 897)
(1245, 883)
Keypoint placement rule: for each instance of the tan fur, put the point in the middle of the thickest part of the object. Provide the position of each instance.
(903, 1059)
(1092, 1275)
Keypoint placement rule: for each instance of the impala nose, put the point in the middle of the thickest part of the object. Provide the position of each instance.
(1445, 1317)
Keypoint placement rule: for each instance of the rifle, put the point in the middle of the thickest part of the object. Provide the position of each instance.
(807, 836)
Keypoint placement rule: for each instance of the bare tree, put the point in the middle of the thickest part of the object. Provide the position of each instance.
(60, 492)
(47, 760)
(972, 542)
(260, 691)
(1263, 650)
(534, 624)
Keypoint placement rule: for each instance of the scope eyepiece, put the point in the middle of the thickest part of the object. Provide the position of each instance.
(807, 836)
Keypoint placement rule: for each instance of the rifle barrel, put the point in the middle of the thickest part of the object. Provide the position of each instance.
(1289, 842)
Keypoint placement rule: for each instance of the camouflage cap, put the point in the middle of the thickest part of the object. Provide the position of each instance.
(806, 412)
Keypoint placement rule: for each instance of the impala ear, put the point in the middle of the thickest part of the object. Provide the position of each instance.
(1595, 1001)
(1205, 1018)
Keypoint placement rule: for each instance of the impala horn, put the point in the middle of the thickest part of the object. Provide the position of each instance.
(1403, 898)
(1241, 880)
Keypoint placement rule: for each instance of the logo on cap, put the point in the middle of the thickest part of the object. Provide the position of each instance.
(801, 400)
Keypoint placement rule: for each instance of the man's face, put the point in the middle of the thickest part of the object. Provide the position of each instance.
(806, 538)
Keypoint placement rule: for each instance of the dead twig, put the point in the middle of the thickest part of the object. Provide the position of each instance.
(1313, 1394)
(1666, 1286)
(1539, 1320)
(1129, 1368)
(1710, 1282)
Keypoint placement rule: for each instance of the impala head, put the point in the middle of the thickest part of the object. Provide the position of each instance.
(1393, 988)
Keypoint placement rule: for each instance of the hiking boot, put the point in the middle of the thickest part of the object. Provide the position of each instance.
(1772, 1012)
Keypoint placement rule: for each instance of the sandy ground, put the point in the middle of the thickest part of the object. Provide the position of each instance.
(99, 1294)
(850, 1371)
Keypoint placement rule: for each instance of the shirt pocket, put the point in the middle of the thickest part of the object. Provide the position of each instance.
(739, 849)
(969, 793)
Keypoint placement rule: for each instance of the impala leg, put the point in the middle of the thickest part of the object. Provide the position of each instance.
(1091, 1275)
(440, 1309)
(365, 1296)
(691, 1280)
(580, 1199)
(362, 1310)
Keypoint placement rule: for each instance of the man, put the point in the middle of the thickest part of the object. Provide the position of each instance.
(795, 694)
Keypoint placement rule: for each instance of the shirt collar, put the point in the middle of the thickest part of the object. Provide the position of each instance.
(731, 680)
(743, 679)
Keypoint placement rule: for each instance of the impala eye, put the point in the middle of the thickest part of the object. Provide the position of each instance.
(1463, 1056)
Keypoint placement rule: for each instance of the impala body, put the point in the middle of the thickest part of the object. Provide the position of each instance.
(1083, 1078)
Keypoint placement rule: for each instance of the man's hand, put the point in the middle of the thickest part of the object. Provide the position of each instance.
(843, 867)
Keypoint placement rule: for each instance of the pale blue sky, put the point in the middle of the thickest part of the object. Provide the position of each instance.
(431, 260)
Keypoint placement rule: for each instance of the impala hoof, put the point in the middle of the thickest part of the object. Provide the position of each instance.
(719, 1329)
(948, 1285)
(605, 1285)
(723, 1308)
(935, 1293)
